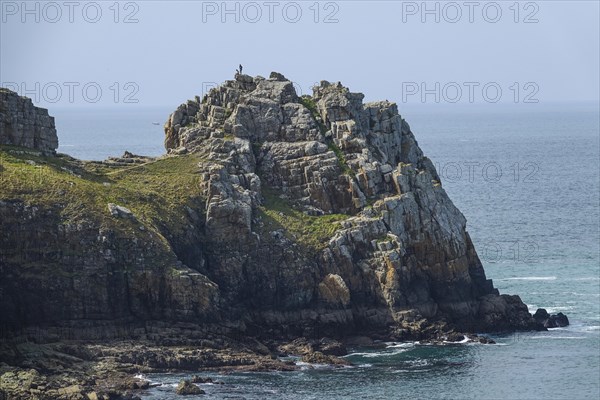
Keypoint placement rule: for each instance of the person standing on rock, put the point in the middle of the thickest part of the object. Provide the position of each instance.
(241, 69)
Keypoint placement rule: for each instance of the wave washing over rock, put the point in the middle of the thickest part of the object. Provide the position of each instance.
(273, 219)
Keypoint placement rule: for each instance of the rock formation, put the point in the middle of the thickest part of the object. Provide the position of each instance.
(273, 216)
(23, 124)
(401, 253)
(185, 387)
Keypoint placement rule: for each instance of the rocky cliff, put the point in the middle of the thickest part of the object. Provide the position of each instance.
(23, 124)
(398, 249)
(275, 225)
(273, 215)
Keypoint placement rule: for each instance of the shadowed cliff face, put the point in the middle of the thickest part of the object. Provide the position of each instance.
(272, 214)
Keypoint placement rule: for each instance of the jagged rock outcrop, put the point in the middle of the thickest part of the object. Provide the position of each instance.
(401, 254)
(273, 215)
(23, 124)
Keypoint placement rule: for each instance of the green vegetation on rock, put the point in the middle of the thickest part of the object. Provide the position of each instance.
(341, 158)
(156, 192)
(313, 232)
(308, 102)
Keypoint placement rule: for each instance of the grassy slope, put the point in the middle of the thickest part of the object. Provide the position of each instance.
(156, 192)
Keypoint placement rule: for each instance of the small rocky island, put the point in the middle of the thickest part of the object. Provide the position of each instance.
(275, 224)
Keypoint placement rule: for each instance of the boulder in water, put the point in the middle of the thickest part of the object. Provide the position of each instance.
(186, 387)
(550, 320)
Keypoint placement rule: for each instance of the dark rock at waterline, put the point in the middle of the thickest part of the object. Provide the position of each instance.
(303, 346)
(319, 358)
(332, 347)
(560, 319)
(486, 340)
(550, 320)
(200, 379)
(541, 315)
(186, 387)
(455, 337)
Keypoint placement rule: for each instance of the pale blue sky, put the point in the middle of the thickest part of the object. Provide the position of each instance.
(177, 46)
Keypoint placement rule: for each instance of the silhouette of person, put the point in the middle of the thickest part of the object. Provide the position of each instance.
(241, 68)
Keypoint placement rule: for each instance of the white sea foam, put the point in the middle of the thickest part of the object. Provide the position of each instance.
(419, 362)
(562, 328)
(529, 278)
(591, 328)
(304, 366)
(403, 345)
(412, 371)
(465, 340)
(145, 378)
(378, 353)
(558, 337)
(532, 308)
(552, 310)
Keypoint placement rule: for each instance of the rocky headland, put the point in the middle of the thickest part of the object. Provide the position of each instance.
(275, 224)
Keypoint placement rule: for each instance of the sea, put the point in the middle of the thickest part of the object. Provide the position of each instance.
(527, 178)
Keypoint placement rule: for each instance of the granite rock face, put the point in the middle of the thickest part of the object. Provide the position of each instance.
(402, 253)
(23, 124)
(309, 216)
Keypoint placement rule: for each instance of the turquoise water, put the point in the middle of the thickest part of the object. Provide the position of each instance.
(536, 229)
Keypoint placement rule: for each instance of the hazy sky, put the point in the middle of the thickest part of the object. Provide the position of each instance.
(171, 50)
